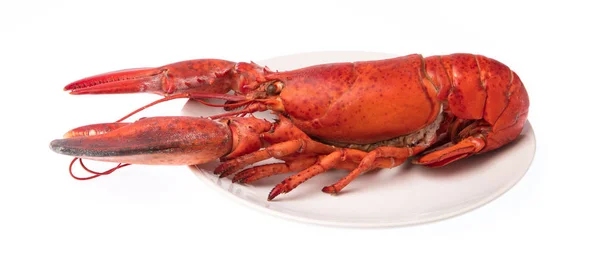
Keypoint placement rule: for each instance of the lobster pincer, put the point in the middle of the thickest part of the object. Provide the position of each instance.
(177, 140)
(211, 76)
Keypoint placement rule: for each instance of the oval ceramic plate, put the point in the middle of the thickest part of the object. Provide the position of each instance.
(404, 195)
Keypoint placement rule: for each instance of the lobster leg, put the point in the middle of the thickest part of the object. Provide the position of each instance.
(321, 166)
(290, 165)
(280, 149)
(382, 157)
(263, 171)
(342, 159)
(274, 151)
(286, 139)
(452, 152)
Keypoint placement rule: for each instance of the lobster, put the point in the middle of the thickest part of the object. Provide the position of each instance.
(357, 116)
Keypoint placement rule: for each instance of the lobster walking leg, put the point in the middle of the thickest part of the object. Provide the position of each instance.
(324, 164)
(286, 138)
(452, 152)
(290, 165)
(340, 158)
(345, 159)
(280, 149)
(375, 159)
(274, 151)
(398, 154)
(263, 171)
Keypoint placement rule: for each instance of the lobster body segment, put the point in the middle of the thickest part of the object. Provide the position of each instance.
(357, 116)
(481, 89)
(377, 100)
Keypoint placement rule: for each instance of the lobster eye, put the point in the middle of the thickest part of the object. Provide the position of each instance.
(274, 88)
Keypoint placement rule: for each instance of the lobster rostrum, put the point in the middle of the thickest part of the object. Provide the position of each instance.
(357, 116)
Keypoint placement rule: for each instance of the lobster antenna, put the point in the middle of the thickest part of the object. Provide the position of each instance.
(95, 174)
(249, 109)
(197, 96)
(235, 105)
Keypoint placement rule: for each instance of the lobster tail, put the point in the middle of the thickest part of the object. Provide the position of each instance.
(483, 92)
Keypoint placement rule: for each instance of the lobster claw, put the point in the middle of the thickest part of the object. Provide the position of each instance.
(151, 141)
(193, 76)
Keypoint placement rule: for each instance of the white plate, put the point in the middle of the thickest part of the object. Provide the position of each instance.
(404, 195)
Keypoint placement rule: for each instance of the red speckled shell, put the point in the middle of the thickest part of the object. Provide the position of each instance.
(362, 102)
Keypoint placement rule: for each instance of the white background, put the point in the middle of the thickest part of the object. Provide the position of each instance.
(165, 213)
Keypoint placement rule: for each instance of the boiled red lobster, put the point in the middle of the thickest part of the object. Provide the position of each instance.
(357, 116)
